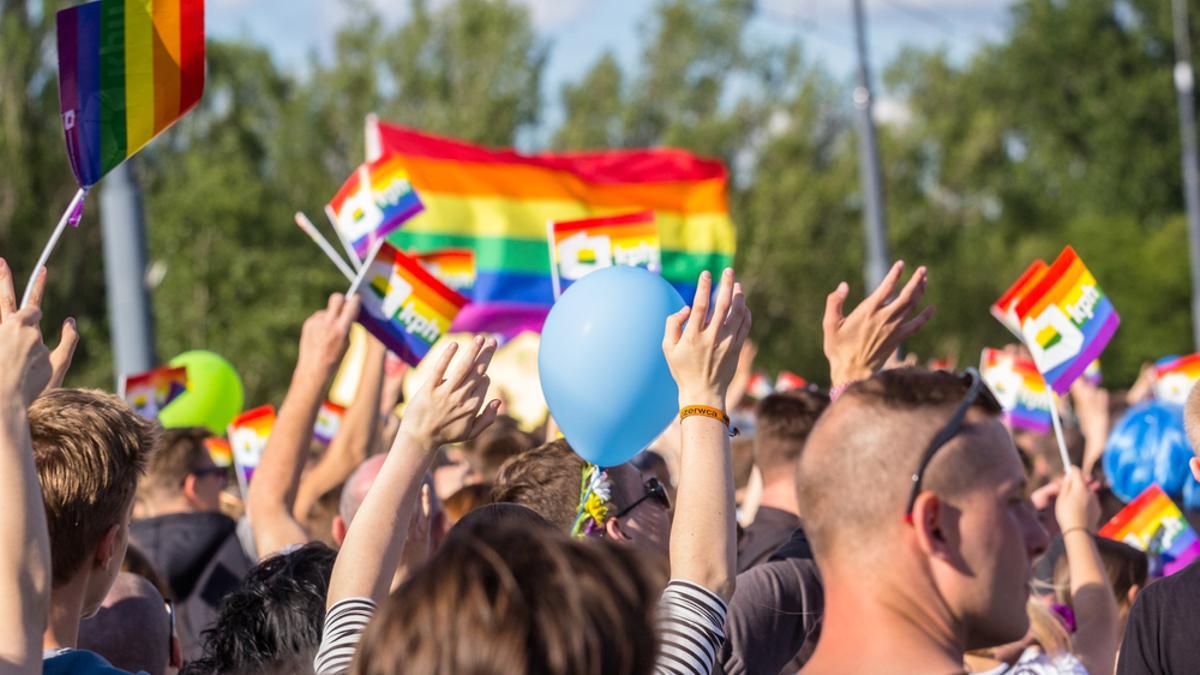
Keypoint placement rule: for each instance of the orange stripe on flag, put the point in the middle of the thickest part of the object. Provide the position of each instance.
(167, 56)
(1061, 288)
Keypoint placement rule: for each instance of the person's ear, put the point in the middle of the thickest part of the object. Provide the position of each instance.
(106, 550)
(926, 520)
(612, 530)
(1195, 464)
(1132, 594)
(189, 488)
(338, 529)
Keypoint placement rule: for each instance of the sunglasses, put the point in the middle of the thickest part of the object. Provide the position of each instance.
(654, 490)
(976, 388)
(170, 607)
(208, 471)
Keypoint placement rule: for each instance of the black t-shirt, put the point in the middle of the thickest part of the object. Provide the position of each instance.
(1161, 636)
(771, 529)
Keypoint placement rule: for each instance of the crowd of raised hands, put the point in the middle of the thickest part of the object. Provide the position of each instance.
(387, 585)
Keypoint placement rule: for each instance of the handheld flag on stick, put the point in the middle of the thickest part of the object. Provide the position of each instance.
(329, 420)
(454, 267)
(374, 202)
(148, 393)
(787, 381)
(760, 386)
(220, 451)
(1004, 308)
(1092, 374)
(403, 305)
(1019, 388)
(1174, 380)
(579, 247)
(248, 434)
(1154, 524)
(323, 243)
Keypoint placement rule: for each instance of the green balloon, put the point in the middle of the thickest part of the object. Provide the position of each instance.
(214, 396)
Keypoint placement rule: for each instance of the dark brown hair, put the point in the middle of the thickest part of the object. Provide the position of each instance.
(782, 425)
(494, 447)
(513, 599)
(546, 479)
(1126, 567)
(466, 500)
(90, 449)
(177, 453)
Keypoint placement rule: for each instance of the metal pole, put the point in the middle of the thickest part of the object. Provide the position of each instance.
(1184, 86)
(868, 158)
(124, 234)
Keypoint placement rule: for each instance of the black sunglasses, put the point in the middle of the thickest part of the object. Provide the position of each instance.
(654, 489)
(975, 388)
(208, 471)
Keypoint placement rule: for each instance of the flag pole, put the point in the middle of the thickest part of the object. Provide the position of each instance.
(1058, 432)
(332, 217)
(314, 234)
(553, 260)
(71, 215)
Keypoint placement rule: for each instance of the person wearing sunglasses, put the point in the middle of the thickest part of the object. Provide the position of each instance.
(915, 505)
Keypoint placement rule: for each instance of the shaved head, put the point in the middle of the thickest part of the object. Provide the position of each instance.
(132, 628)
(357, 486)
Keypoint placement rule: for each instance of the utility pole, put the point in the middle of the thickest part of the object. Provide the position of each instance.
(1184, 88)
(123, 231)
(868, 160)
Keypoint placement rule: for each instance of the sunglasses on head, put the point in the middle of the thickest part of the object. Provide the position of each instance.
(976, 388)
(655, 490)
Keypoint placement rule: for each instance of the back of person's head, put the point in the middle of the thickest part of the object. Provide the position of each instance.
(132, 628)
(500, 516)
(273, 621)
(466, 500)
(171, 472)
(495, 446)
(1128, 571)
(90, 449)
(546, 479)
(782, 425)
(354, 491)
(137, 563)
(517, 599)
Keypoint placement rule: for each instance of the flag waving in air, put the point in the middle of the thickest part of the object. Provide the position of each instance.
(148, 393)
(375, 201)
(588, 244)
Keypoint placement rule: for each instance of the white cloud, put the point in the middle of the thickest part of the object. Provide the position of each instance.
(551, 14)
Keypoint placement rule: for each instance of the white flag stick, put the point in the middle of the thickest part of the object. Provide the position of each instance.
(553, 260)
(350, 254)
(76, 203)
(315, 234)
(1058, 432)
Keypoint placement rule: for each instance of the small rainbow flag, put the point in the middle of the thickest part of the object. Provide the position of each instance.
(453, 267)
(760, 386)
(248, 434)
(220, 451)
(127, 70)
(329, 420)
(582, 246)
(1020, 389)
(373, 203)
(148, 393)
(1092, 374)
(1174, 380)
(1004, 309)
(1067, 320)
(1154, 524)
(787, 381)
(403, 305)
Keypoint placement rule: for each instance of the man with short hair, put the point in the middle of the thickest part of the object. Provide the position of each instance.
(782, 425)
(1158, 636)
(133, 602)
(192, 545)
(90, 449)
(914, 503)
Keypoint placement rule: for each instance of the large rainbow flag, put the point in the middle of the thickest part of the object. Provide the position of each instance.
(127, 70)
(1154, 524)
(498, 202)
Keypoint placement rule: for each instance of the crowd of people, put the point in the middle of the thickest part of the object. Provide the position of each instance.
(891, 524)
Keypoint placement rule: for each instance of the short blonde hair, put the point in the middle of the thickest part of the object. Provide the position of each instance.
(90, 449)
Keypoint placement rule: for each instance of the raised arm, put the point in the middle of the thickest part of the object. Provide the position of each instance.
(273, 490)
(1097, 632)
(703, 356)
(24, 540)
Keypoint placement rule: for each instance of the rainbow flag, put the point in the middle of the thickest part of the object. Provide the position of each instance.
(403, 305)
(127, 70)
(787, 381)
(329, 420)
(1154, 524)
(1020, 389)
(148, 393)
(454, 267)
(760, 386)
(1004, 308)
(1066, 320)
(248, 434)
(372, 203)
(1092, 374)
(497, 203)
(585, 245)
(1174, 380)
(220, 451)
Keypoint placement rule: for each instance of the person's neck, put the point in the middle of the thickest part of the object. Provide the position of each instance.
(875, 623)
(169, 507)
(779, 492)
(66, 610)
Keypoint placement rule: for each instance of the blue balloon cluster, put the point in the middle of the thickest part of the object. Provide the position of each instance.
(602, 367)
(1148, 445)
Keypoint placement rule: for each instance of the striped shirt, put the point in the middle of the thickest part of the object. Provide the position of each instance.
(690, 625)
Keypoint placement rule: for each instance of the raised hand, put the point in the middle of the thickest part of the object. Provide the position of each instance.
(1077, 506)
(449, 407)
(858, 345)
(60, 358)
(325, 335)
(703, 355)
(26, 360)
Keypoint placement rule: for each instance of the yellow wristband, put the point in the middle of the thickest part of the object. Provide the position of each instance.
(709, 412)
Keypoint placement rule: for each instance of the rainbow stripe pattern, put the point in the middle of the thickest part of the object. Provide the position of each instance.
(498, 202)
(454, 267)
(1020, 389)
(788, 381)
(127, 70)
(1154, 524)
(403, 305)
(248, 434)
(148, 393)
(585, 245)
(1004, 309)
(372, 203)
(220, 451)
(1066, 320)
(329, 420)
(1174, 380)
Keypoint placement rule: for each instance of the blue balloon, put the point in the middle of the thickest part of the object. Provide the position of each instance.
(1148, 445)
(602, 367)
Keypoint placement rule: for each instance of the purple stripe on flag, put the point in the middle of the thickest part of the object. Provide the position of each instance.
(1090, 352)
(507, 318)
(1189, 555)
(88, 78)
(1031, 421)
(68, 84)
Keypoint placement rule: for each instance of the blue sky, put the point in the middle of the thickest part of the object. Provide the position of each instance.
(579, 31)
